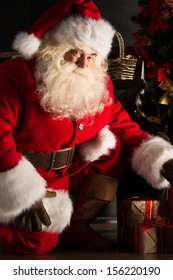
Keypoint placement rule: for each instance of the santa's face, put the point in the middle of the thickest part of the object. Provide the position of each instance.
(81, 58)
(71, 83)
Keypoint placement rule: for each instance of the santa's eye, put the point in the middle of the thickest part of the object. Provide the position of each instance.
(76, 53)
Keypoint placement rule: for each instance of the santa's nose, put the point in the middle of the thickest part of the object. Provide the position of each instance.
(84, 61)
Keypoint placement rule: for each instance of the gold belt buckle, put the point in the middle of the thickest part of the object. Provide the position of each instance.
(69, 158)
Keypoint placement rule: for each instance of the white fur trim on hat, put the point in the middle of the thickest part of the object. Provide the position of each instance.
(98, 146)
(149, 158)
(20, 188)
(94, 33)
(59, 209)
(26, 44)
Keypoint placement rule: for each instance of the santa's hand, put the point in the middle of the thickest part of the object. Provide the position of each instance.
(37, 215)
(167, 171)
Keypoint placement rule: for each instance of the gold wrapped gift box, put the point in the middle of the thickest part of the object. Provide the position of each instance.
(144, 225)
(148, 239)
(135, 211)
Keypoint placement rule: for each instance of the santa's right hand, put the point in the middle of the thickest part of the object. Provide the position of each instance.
(33, 218)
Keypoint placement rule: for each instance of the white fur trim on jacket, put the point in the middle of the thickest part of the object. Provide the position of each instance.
(98, 146)
(20, 188)
(149, 158)
(59, 209)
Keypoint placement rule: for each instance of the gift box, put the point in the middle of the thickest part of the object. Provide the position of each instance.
(141, 238)
(135, 211)
(147, 239)
(154, 238)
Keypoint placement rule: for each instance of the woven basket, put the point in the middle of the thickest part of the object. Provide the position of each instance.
(123, 67)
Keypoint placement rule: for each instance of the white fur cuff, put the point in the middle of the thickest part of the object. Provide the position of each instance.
(149, 158)
(59, 209)
(98, 146)
(20, 188)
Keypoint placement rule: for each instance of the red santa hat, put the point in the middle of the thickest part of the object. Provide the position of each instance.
(73, 21)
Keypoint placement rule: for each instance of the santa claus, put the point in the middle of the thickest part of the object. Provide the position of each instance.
(62, 132)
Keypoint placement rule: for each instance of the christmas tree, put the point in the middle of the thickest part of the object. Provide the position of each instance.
(153, 43)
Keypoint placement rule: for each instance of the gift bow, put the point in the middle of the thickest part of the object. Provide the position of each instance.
(150, 218)
(166, 85)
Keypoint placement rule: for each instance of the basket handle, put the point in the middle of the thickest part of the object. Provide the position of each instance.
(121, 44)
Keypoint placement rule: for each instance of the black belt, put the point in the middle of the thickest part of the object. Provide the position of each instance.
(54, 161)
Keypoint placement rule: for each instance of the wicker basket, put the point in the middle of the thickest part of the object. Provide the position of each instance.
(123, 67)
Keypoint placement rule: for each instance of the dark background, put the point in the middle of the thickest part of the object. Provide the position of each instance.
(19, 15)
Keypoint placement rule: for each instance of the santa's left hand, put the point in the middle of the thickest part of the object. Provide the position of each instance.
(167, 171)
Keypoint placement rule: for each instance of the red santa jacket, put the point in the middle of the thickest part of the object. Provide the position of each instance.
(26, 127)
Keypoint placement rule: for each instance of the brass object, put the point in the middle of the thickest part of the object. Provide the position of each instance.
(168, 87)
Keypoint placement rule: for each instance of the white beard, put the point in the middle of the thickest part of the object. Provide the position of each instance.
(70, 91)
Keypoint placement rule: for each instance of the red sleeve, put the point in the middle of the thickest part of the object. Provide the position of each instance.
(121, 124)
(10, 113)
